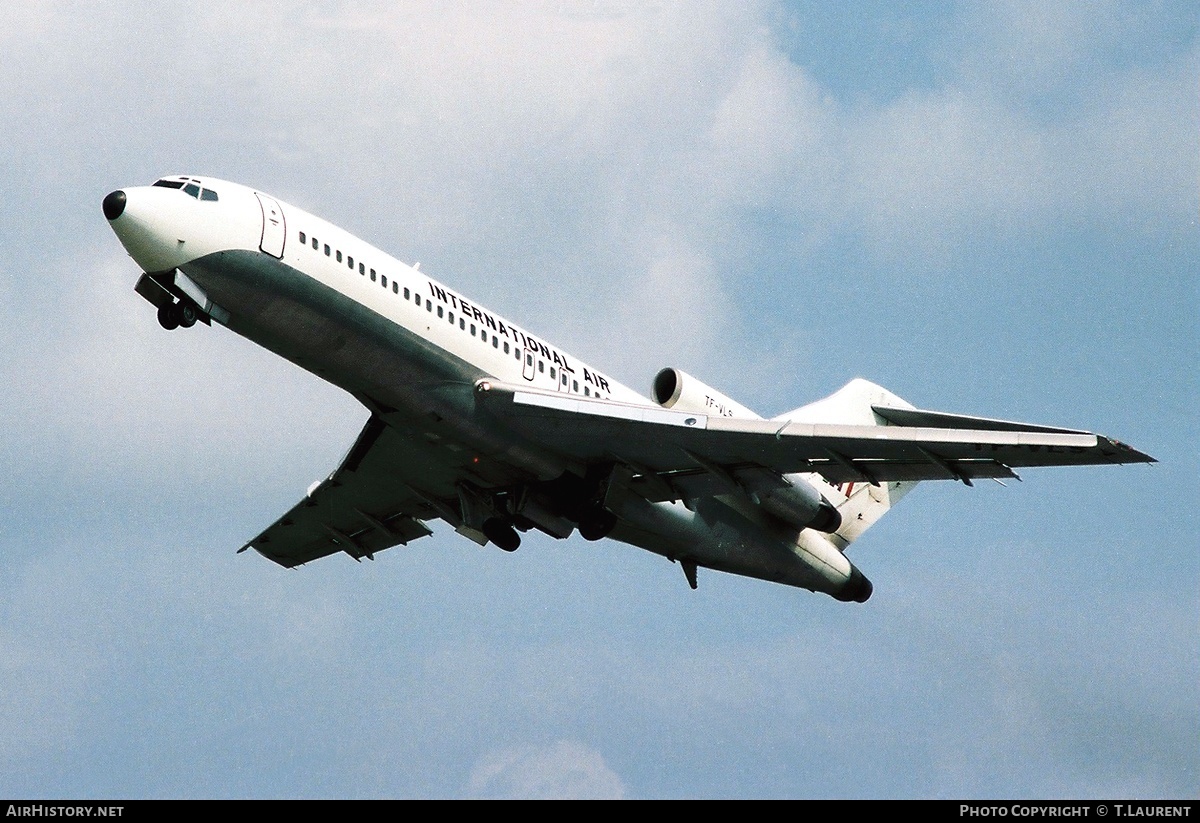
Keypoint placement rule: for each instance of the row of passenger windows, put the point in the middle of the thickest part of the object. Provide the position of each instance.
(479, 332)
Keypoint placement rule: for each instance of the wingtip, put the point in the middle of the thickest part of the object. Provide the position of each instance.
(1126, 453)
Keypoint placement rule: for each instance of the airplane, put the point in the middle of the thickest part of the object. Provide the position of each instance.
(476, 421)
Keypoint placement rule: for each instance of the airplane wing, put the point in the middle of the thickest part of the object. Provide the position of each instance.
(394, 478)
(671, 449)
(377, 498)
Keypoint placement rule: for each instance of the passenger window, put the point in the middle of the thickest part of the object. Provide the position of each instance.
(339, 255)
(564, 378)
(383, 280)
(395, 287)
(495, 342)
(462, 324)
(439, 311)
(405, 289)
(552, 374)
(314, 243)
(472, 329)
(541, 365)
(350, 263)
(506, 347)
(574, 385)
(303, 239)
(361, 268)
(372, 275)
(451, 315)
(327, 249)
(529, 360)
(428, 305)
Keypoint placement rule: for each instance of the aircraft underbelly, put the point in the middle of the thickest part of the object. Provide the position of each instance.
(715, 536)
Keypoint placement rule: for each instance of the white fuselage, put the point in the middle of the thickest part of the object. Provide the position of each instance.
(175, 232)
(404, 343)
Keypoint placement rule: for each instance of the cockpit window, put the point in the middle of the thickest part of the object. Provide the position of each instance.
(190, 185)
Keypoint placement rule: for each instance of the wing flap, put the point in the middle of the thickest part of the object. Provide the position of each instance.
(327, 521)
(687, 483)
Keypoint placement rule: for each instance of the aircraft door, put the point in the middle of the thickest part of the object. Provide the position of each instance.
(527, 368)
(274, 231)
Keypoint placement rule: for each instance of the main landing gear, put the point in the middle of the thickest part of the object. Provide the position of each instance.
(174, 315)
(502, 534)
(596, 523)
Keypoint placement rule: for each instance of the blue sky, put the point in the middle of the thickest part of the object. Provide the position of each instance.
(988, 208)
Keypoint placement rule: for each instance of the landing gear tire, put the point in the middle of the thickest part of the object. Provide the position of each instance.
(502, 534)
(188, 315)
(168, 317)
(597, 524)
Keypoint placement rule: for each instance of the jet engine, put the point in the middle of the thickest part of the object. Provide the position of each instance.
(796, 501)
(676, 389)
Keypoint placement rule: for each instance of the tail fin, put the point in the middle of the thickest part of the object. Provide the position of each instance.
(859, 504)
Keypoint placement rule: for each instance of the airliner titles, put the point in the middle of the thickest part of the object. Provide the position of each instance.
(484, 319)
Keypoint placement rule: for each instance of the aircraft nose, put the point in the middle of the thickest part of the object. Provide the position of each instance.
(114, 204)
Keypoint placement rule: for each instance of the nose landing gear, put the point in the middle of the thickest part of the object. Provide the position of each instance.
(175, 315)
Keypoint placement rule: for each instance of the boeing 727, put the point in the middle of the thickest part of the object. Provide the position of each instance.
(478, 422)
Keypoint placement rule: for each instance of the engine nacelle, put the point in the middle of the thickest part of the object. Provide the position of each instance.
(801, 505)
(798, 503)
(675, 389)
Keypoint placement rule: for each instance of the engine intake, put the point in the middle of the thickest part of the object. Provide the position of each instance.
(676, 389)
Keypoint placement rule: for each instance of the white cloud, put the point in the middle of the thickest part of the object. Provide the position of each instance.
(564, 770)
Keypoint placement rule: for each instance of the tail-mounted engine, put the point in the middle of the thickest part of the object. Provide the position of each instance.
(791, 499)
(675, 389)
